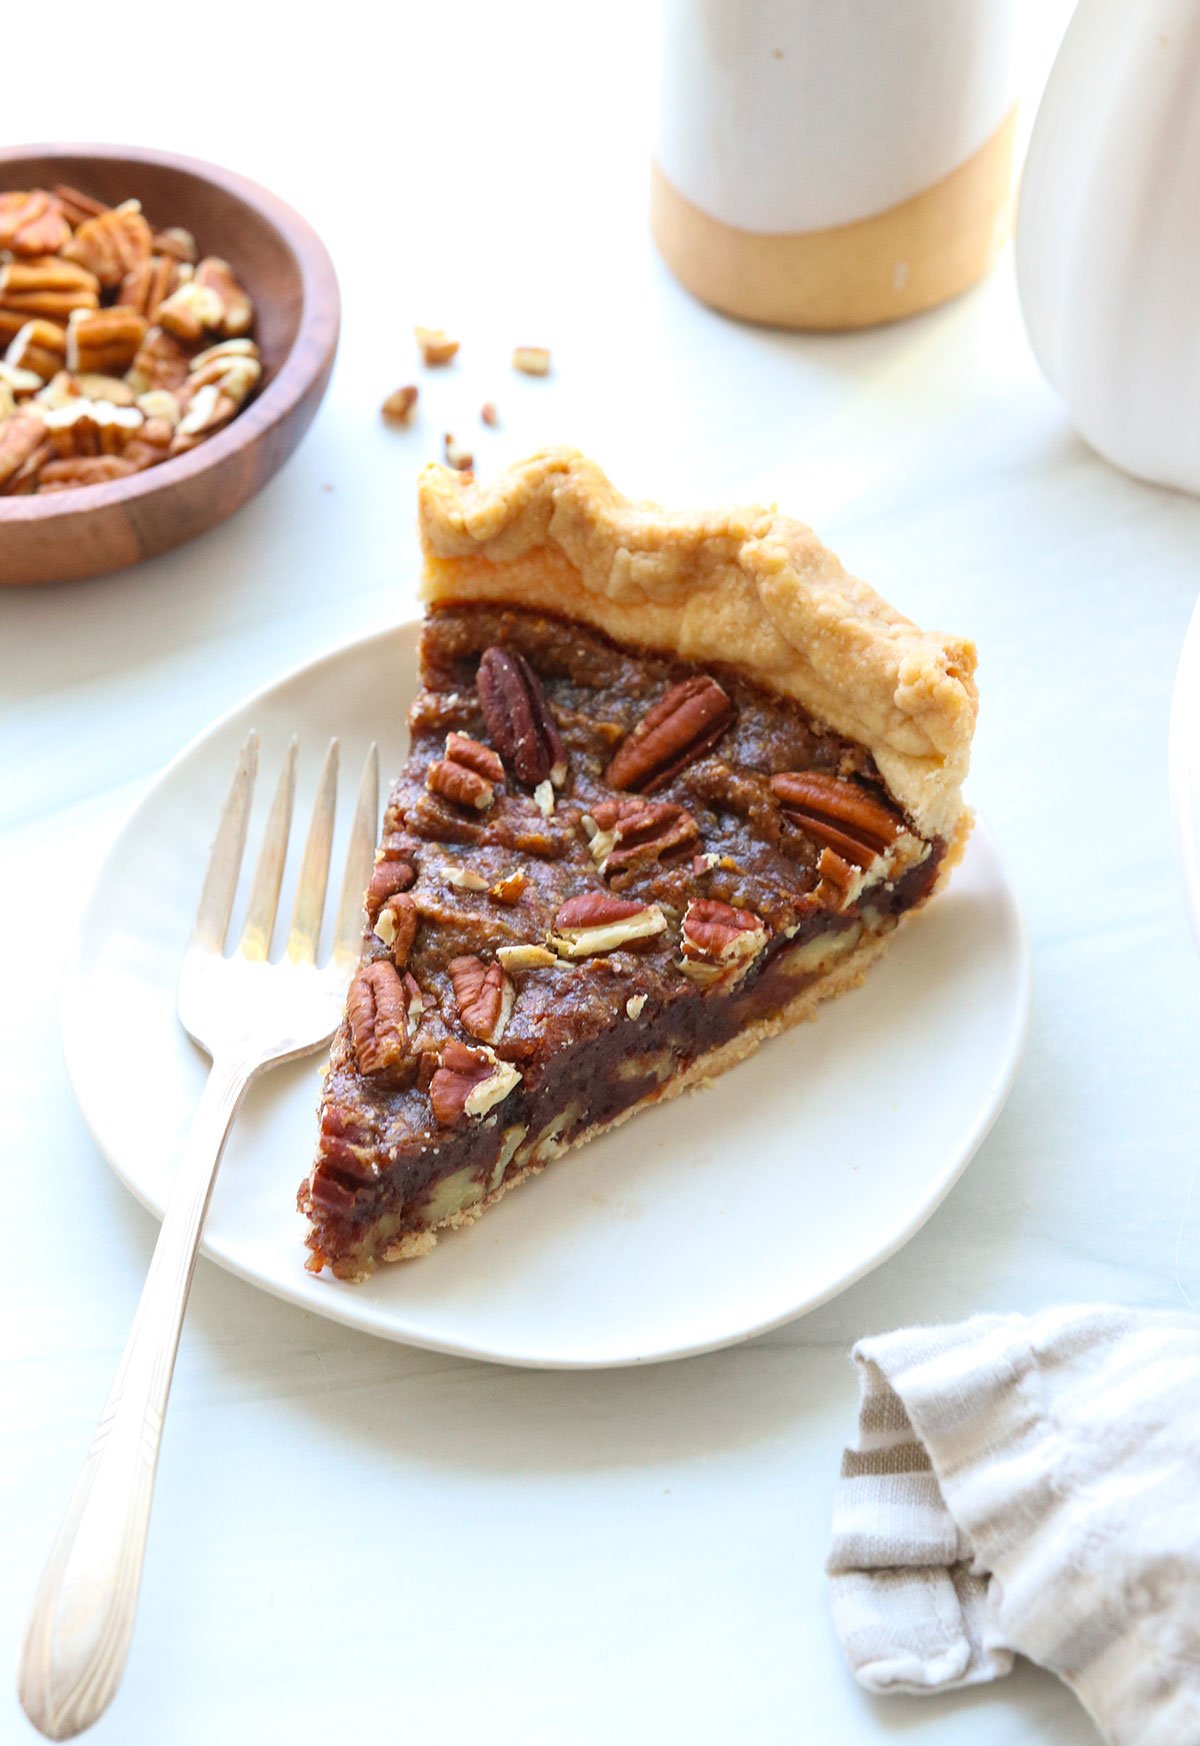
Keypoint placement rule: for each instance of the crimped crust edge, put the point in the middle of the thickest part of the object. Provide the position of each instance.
(745, 586)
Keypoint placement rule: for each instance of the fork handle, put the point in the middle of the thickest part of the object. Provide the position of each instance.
(78, 1637)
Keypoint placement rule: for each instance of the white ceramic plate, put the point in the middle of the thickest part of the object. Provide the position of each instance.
(1185, 769)
(695, 1225)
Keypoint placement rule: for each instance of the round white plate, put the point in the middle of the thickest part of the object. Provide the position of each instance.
(695, 1225)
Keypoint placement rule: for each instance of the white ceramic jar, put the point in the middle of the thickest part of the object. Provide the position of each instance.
(1108, 237)
(833, 163)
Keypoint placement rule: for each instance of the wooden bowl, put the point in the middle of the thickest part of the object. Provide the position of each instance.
(66, 535)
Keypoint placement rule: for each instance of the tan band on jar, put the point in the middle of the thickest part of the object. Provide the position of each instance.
(893, 264)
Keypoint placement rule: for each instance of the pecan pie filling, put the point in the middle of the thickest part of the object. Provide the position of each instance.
(599, 868)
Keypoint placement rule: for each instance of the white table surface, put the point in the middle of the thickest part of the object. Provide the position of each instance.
(352, 1536)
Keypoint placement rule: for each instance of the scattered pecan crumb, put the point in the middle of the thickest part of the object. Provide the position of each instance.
(456, 456)
(531, 360)
(436, 345)
(400, 407)
(489, 415)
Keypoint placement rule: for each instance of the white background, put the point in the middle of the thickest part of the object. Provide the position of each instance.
(355, 1539)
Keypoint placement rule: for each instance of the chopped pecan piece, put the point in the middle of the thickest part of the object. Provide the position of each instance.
(160, 404)
(161, 363)
(377, 1012)
(458, 457)
(838, 813)
(47, 287)
(400, 407)
(113, 242)
(509, 888)
(468, 1082)
(596, 922)
(632, 834)
(59, 391)
(518, 717)
(40, 347)
(21, 383)
(105, 341)
(235, 314)
(19, 437)
(526, 957)
(455, 782)
(416, 1000)
(840, 881)
(177, 243)
(685, 723)
(531, 360)
(207, 411)
(90, 427)
(463, 879)
(345, 1142)
(149, 284)
(436, 346)
(151, 444)
(190, 310)
(396, 926)
(484, 996)
(389, 877)
(234, 366)
(719, 942)
(462, 749)
(468, 774)
(96, 385)
(77, 206)
(234, 377)
(27, 478)
(33, 223)
(66, 474)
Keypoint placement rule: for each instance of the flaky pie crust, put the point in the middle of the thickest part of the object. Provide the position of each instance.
(745, 587)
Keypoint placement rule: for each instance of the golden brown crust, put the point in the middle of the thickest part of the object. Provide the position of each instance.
(747, 587)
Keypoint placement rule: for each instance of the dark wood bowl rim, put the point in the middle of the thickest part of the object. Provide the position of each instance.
(319, 319)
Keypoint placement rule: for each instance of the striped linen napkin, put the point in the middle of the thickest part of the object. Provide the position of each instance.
(1031, 1485)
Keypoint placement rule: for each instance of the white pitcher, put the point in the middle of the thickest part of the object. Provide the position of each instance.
(1108, 234)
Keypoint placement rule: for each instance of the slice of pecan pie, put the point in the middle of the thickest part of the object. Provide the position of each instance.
(673, 781)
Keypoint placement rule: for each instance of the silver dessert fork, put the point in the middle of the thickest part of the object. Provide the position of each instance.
(247, 1014)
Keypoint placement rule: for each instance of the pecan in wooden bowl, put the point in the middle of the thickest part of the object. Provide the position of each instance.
(111, 316)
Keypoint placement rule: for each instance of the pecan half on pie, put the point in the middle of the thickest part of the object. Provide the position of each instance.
(673, 781)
